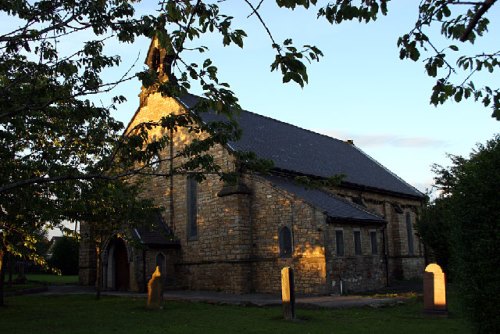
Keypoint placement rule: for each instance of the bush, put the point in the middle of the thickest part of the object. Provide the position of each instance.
(65, 255)
(472, 197)
(434, 228)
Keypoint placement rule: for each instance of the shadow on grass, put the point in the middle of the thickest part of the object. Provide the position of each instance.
(111, 314)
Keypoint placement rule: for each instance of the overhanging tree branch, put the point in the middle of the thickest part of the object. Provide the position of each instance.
(474, 21)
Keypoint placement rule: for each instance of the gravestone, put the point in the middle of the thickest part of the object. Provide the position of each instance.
(288, 293)
(155, 290)
(434, 290)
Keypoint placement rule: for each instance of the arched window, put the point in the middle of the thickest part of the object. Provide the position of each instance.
(155, 162)
(285, 241)
(339, 242)
(357, 243)
(373, 238)
(409, 232)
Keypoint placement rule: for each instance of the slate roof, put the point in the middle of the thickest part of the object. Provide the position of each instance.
(156, 235)
(305, 152)
(333, 206)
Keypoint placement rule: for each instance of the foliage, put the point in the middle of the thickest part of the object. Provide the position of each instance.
(309, 182)
(461, 22)
(471, 200)
(64, 255)
(434, 228)
(53, 139)
(43, 243)
(80, 314)
(109, 208)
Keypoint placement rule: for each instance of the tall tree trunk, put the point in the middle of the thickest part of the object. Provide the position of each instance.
(98, 274)
(21, 276)
(11, 268)
(2, 273)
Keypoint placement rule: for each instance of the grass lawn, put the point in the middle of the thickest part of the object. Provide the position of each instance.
(83, 314)
(22, 287)
(52, 279)
(36, 281)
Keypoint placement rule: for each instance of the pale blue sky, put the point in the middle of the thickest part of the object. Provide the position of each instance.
(360, 90)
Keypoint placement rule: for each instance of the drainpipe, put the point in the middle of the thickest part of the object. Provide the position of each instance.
(385, 245)
(386, 259)
(292, 223)
(145, 287)
(172, 224)
(252, 253)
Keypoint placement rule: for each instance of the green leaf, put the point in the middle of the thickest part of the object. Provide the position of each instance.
(414, 54)
(458, 95)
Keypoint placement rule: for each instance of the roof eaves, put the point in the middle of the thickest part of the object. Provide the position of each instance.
(138, 235)
(382, 191)
(354, 220)
(285, 172)
(377, 218)
(171, 244)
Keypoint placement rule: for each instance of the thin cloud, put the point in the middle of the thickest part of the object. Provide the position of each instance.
(380, 140)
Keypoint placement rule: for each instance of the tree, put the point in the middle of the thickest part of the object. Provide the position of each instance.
(110, 209)
(55, 143)
(470, 204)
(434, 226)
(50, 136)
(64, 255)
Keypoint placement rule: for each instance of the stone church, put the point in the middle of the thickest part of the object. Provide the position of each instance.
(355, 236)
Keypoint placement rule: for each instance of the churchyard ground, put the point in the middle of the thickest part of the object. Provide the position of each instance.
(111, 314)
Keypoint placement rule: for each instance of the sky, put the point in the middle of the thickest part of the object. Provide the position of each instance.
(360, 89)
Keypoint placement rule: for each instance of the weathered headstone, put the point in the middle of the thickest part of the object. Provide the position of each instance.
(288, 293)
(155, 290)
(434, 290)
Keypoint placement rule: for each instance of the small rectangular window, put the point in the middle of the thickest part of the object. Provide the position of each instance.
(192, 207)
(285, 241)
(357, 242)
(339, 242)
(373, 238)
(409, 232)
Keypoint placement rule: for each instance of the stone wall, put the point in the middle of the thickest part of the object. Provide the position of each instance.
(273, 208)
(169, 274)
(401, 265)
(218, 257)
(227, 276)
(356, 272)
(86, 258)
